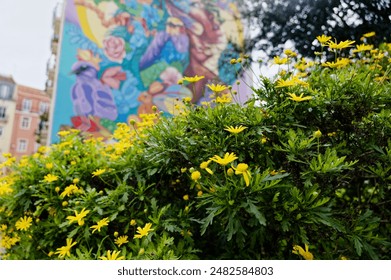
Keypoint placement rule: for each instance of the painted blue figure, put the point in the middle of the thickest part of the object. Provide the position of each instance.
(170, 45)
(90, 97)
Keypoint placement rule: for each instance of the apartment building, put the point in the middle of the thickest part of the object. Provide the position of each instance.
(31, 121)
(7, 112)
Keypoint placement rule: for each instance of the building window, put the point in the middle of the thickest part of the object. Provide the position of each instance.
(43, 107)
(25, 123)
(26, 105)
(2, 112)
(5, 92)
(22, 145)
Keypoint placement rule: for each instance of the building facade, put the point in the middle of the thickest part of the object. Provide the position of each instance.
(7, 112)
(30, 122)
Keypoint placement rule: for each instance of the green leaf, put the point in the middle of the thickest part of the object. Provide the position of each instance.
(357, 245)
(252, 209)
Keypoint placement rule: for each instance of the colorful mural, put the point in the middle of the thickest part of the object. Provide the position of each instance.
(118, 58)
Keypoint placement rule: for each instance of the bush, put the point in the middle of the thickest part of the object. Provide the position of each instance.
(306, 162)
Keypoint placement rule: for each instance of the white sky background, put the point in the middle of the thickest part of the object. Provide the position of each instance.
(25, 34)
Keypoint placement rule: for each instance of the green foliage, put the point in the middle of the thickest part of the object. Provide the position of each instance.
(307, 161)
(281, 21)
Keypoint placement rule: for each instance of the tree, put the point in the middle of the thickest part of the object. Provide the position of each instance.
(275, 22)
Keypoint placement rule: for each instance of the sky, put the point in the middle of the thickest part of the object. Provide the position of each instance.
(25, 34)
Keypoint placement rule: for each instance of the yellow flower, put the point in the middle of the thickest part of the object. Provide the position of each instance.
(186, 197)
(98, 172)
(228, 158)
(121, 240)
(63, 133)
(5, 188)
(133, 222)
(50, 178)
(78, 217)
(195, 175)
(76, 180)
(369, 34)
(112, 256)
(236, 129)
(23, 223)
(300, 98)
(363, 48)
(204, 165)
(230, 172)
(100, 224)
(317, 134)
(143, 231)
(7, 155)
(290, 53)
(49, 165)
(194, 79)
(199, 193)
(186, 100)
(323, 40)
(225, 98)
(340, 45)
(294, 81)
(217, 88)
(340, 63)
(66, 250)
(242, 169)
(279, 61)
(69, 190)
(298, 250)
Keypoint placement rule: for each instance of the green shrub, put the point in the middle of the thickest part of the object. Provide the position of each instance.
(305, 162)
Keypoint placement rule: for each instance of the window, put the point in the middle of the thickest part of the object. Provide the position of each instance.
(43, 107)
(25, 122)
(22, 145)
(26, 105)
(2, 112)
(5, 92)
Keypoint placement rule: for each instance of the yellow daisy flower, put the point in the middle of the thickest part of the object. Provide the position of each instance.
(143, 231)
(217, 88)
(228, 158)
(66, 250)
(23, 223)
(236, 129)
(100, 224)
(98, 172)
(121, 240)
(194, 79)
(298, 250)
(112, 256)
(300, 98)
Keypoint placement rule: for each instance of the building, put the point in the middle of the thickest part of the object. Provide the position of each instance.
(30, 124)
(7, 112)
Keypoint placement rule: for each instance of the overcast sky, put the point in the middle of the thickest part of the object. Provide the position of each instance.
(25, 33)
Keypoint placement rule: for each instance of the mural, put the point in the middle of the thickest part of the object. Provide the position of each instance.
(121, 57)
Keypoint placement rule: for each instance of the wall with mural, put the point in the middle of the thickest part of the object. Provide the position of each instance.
(118, 58)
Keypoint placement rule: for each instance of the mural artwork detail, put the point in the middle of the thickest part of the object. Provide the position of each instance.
(121, 57)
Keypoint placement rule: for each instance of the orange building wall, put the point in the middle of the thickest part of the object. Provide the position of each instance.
(36, 96)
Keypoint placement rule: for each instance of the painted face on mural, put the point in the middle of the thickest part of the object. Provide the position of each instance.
(137, 51)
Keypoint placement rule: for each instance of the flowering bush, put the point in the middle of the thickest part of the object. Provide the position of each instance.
(303, 170)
